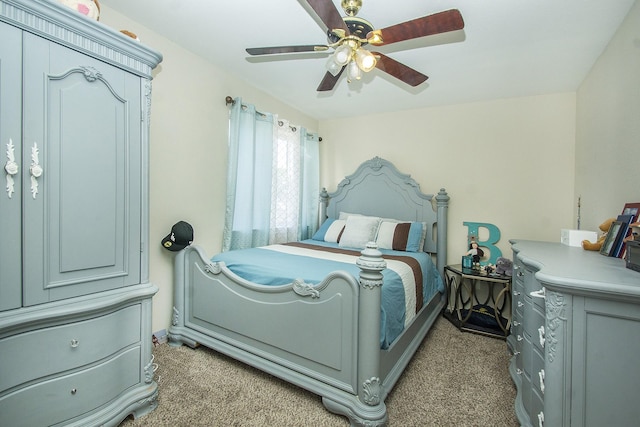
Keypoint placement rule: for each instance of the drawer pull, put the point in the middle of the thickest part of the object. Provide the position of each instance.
(541, 335)
(541, 419)
(538, 294)
(74, 391)
(541, 375)
(75, 343)
(519, 338)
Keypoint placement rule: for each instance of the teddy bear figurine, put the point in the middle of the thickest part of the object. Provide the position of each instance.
(504, 266)
(89, 8)
(595, 246)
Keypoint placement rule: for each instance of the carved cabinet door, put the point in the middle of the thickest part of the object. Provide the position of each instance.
(81, 173)
(10, 143)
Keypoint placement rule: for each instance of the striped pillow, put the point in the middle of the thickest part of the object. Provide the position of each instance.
(400, 236)
(330, 230)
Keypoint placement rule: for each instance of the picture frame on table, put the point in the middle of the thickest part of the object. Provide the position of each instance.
(632, 209)
(630, 214)
(617, 231)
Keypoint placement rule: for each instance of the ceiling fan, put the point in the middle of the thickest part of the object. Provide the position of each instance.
(348, 35)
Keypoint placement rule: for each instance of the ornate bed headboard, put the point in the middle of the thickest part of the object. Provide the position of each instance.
(377, 188)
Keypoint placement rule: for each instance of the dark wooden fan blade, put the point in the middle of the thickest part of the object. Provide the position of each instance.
(285, 49)
(399, 70)
(328, 13)
(437, 23)
(329, 81)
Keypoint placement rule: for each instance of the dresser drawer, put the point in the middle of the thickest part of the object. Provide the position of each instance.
(537, 371)
(64, 398)
(526, 392)
(538, 333)
(527, 350)
(530, 282)
(537, 408)
(56, 349)
(517, 293)
(533, 320)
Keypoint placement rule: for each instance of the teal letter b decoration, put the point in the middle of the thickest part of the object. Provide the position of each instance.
(494, 237)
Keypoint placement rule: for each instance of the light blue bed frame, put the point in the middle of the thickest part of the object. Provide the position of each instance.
(323, 337)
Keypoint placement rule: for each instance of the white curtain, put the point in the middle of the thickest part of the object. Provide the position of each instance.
(272, 180)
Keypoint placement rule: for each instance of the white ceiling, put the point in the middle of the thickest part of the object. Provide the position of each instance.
(508, 48)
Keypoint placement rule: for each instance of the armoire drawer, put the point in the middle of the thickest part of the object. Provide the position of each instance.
(63, 398)
(56, 349)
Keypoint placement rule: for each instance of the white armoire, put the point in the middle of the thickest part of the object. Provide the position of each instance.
(75, 297)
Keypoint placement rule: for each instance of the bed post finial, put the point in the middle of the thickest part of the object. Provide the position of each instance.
(322, 207)
(442, 203)
(371, 265)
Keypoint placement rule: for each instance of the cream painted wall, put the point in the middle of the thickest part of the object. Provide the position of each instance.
(188, 150)
(506, 162)
(608, 127)
(509, 162)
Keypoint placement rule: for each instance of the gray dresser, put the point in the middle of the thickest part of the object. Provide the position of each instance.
(575, 337)
(75, 297)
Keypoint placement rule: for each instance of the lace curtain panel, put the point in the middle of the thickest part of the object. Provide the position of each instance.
(272, 180)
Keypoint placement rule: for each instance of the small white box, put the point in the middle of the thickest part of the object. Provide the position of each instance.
(575, 237)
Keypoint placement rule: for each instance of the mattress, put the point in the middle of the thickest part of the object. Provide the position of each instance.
(411, 279)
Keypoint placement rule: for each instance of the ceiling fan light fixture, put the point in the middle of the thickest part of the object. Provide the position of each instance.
(353, 72)
(375, 38)
(348, 34)
(333, 67)
(342, 55)
(351, 7)
(366, 60)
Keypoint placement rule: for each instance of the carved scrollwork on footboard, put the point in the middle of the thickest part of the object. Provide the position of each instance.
(212, 268)
(304, 289)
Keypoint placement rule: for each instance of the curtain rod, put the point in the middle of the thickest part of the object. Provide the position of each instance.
(230, 101)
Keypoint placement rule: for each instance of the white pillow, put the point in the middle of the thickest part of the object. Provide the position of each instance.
(345, 215)
(358, 231)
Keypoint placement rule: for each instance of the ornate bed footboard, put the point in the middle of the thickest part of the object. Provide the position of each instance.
(324, 337)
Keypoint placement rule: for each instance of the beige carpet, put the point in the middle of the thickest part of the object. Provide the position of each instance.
(455, 379)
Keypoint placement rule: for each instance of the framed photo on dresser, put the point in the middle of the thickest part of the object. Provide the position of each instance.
(631, 209)
(616, 233)
(629, 215)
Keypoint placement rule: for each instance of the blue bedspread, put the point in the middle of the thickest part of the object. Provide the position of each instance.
(272, 268)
